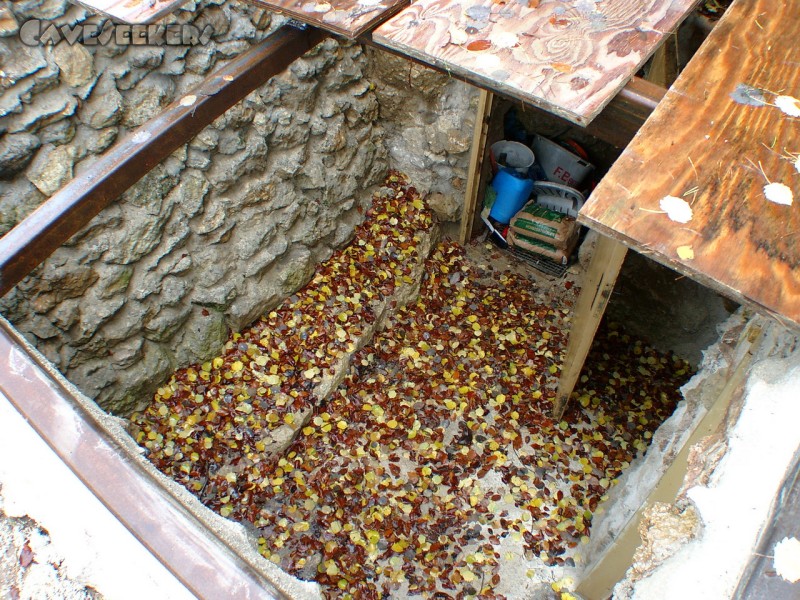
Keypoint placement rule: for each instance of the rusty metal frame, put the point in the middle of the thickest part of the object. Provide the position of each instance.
(208, 566)
(65, 213)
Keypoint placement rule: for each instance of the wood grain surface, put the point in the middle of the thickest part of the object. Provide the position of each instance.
(349, 18)
(716, 146)
(569, 57)
(134, 12)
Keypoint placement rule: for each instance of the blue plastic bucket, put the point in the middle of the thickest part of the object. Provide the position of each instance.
(512, 193)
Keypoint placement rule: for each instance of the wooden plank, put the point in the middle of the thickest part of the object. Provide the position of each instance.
(718, 153)
(349, 18)
(619, 121)
(134, 12)
(569, 57)
(476, 160)
(597, 286)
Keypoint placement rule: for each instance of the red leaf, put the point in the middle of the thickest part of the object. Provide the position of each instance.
(479, 45)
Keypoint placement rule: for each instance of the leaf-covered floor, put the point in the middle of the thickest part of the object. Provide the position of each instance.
(434, 469)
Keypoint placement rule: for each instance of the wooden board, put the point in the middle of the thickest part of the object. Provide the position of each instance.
(569, 57)
(718, 153)
(349, 18)
(134, 12)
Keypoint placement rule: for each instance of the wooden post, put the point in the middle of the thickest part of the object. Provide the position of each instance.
(477, 154)
(664, 64)
(600, 278)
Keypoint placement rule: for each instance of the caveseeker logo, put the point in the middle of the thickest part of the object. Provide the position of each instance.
(42, 33)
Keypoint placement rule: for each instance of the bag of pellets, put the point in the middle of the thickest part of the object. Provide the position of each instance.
(540, 223)
(537, 246)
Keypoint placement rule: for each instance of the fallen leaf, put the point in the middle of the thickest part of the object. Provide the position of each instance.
(748, 95)
(562, 67)
(458, 36)
(533, 3)
(505, 39)
(685, 252)
(779, 193)
(479, 45)
(26, 556)
(787, 559)
(677, 209)
(789, 105)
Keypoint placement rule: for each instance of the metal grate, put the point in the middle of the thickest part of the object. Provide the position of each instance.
(542, 263)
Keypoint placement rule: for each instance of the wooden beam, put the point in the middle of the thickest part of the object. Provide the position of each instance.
(595, 293)
(66, 212)
(476, 160)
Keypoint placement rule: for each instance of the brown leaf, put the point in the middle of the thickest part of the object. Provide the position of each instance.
(26, 556)
(479, 45)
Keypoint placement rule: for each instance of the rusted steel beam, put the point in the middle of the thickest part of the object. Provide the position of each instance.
(204, 563)
(617, 124)
(35, 238)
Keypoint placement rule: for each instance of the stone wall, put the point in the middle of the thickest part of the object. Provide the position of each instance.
(429, 119)
(224, 228)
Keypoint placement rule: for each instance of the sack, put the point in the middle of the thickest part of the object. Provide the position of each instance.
(540, 223)
(537, 246)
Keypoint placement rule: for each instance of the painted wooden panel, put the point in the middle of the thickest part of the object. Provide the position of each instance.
(569, 57)
(349, 18)
(722, 133)
(134, 12)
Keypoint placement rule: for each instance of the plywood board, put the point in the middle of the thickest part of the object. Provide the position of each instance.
(569, 57)
(134, 12)
(716, 140)
(349, 18)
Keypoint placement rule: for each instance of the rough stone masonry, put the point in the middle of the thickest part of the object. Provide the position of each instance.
(230, 223)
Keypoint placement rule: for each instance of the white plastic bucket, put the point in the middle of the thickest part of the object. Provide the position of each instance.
(513, 155)
(559, 164)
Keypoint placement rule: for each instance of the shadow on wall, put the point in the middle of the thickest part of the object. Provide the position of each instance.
(428, 119)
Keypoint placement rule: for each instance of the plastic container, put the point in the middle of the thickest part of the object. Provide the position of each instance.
(560, 198)
(512, 155)
(559, 164)
(512, 191)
